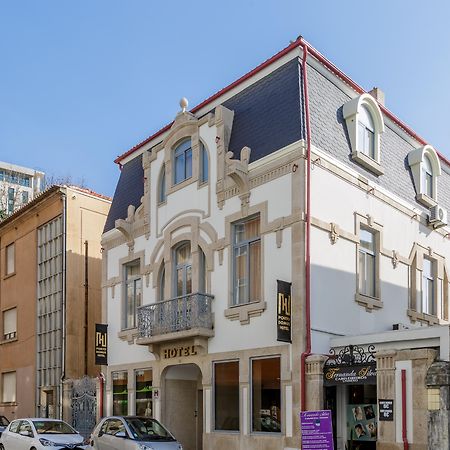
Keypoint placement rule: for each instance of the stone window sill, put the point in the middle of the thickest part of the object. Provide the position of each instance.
(128, 335)
(244, 312)
(367, 162)
(416, 316)
(370, 303)
(7, 341)
(426, 200)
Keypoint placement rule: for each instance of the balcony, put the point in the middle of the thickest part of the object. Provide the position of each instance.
(189, 316)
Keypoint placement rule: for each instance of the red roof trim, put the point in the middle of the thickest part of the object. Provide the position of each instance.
(299, 42)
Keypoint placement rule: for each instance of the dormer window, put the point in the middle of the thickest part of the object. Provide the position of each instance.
(364, 126)
(183, 162)
(366, 132)
(425, 169)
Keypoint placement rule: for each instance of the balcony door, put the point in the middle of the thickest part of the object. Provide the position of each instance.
(183, 270)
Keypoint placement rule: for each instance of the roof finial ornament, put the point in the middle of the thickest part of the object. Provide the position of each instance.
(184, 104)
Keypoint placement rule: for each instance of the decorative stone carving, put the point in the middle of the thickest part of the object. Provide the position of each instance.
(395, 258)
(237, 170)
(334, 233)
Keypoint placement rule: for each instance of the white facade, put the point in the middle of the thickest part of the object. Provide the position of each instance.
(18, 186)
(360, 291)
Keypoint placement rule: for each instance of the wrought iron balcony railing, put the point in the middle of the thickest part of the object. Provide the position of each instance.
(177, 314)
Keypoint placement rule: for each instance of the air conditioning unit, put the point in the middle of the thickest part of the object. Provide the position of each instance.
(438, 216)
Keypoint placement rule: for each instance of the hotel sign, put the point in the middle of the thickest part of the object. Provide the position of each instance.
(101, 344)
(357, 374)
(177, 352)
(284, 310)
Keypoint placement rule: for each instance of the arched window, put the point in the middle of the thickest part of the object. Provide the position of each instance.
(183, 270)
(427, 177)
(182, 162)
(366, 132)
(162, 185)
(365, 124)
(204, 168)
(425, 170)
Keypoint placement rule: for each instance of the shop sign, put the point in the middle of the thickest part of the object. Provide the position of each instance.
(284, 305)
(101, 344)
(177, 352)
(386, 409)
(358, 374)
(317, 430)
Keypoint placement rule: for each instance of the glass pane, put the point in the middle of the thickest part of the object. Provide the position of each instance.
(204, 159)
(370, 143)
(138, 293)
(367, 239)
(144, 393)
(120, 393)
(130, 306)
(162, 186)
(266, 395)
(202, 272)
(365, 118)
(427, 268)
(179, 282)
(370, 275)
(179, 168)
(361, 137)
(255, 271)
(226, 395)
(247, 230)
(188, 289)
(428, 185)
(431, 307)
(183, 254)
(241, 275)
(362, 272)
(188, 156)
(425, 294)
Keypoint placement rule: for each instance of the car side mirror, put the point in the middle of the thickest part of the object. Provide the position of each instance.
(26, 433)
(121, 434)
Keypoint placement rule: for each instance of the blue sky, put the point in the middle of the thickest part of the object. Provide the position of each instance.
(83, 81)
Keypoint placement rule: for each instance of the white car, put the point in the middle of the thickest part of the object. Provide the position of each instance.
(132, 433)
(40, 434)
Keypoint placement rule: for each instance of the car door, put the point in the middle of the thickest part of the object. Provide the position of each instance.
(10, 436)
(25, 436)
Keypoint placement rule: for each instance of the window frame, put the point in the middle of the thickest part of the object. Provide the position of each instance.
(367, 224)
(282, 415)
(245, 244)
(180, 151)
(417, 160)
(353, 112)
(3, 401)
(10, 338)
(126, 282)
(214, 363)
(8, 272)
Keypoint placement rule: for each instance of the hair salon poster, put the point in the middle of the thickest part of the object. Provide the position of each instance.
(362, 422)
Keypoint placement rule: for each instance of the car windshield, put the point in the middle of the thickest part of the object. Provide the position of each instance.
(4, 422)
(52, 427)
(143, 429)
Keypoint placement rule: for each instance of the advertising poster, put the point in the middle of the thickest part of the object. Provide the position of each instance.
(362, 422)
(317, 430)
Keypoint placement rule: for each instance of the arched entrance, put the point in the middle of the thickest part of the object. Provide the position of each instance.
(183, 404)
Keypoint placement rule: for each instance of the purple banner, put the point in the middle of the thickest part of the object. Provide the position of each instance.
(317, 430)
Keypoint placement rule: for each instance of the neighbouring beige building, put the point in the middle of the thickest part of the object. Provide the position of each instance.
(50, 270)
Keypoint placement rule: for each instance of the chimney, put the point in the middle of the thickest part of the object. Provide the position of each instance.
(378, 95)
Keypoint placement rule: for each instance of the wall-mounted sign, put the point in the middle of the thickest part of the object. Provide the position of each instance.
(101, 344)
(317, 430)
(284, 309)
(176, 352)
(386, 409)
(362, 422)
(358, 374)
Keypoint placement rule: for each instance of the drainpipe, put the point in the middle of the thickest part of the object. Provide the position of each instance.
(404, 417)
(86, 305)
(101, 379)
(307, 351)
(63, 307)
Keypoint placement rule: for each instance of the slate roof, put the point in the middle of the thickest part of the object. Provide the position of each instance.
(129, 190)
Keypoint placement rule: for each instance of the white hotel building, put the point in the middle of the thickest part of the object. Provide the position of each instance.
(292, 173)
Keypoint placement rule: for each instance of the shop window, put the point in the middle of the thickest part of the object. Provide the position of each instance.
(144, 396)
(10, 259)
(132, 295)
(365, 125)
(182, 158)
(8, 387)
(120, 393)
(266, 395)
(204, 167)
(10, 324)
(162, 185)
(246, 261)
(425, 170)
(226, 396)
